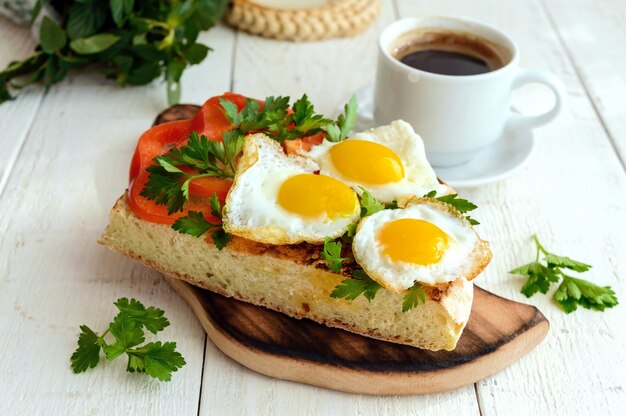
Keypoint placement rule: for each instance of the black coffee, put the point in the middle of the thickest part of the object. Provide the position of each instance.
(446, 62)
(448, 52)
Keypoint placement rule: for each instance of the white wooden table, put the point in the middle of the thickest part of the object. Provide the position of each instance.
(64, 158)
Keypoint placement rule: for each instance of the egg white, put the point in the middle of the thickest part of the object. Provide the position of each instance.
(399, 136)
(251, 209)
(398, 276)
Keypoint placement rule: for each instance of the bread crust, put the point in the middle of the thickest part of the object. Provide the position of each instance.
(156, 245)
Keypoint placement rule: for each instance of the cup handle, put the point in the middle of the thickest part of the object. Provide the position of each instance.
(526, 76)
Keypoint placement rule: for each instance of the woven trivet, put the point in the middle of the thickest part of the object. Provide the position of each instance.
(332, 19)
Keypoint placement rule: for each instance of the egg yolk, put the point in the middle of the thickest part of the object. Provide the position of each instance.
(315, 196)
(366, 162)
(413, 241)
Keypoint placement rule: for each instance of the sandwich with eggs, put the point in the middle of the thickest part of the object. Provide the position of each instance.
(283, 208)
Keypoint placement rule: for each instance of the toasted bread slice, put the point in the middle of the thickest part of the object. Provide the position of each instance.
(291, 279)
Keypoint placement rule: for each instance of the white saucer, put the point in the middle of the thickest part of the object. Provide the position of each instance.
(494, 163)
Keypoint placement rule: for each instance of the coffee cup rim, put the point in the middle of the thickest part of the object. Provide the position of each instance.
(410, 23)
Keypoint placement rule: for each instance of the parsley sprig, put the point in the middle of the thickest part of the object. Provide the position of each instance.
(460, 204)
(275, 119)
(156, 359)
(413, 297)
(345, 122)
(332, 254)
(359, 284)
(196, 225)
(369, 204)
(168, 184)
(572, 292)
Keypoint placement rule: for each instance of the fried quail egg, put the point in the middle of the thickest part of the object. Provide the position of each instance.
(427, 242)
(388, 161)
(280, 199)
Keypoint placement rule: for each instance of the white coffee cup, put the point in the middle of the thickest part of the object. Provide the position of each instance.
(456, 115)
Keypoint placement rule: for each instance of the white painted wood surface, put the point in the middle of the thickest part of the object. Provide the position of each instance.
(78, 139)
(593, 33)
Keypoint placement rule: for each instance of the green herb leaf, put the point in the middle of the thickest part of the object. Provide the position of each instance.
(121, 10)
(193, 224)
(540, 278)
(369, 204)
(87, 355)
(333, 133)
(151, 318)
(126, 331)
(52, 36)
(216, 207)
(231, 111)
(304, 117)
(413, 297)
(94, 44)
(196, 53)
(85, 18)
(461, 205)
(332, 254)
(156, 360)
(221, 238)
(359, 284)
(346, 121)
(573, 292)
(561, 261)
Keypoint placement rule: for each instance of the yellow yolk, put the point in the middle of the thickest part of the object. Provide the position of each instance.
(315, 196)
(413, 241)
(366, 162)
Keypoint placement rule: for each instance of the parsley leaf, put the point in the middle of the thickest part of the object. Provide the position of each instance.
(346, 121)
(359, 284)
(460, 204)
(193, 224)
(220, 238)
(304, 118)
(126, 331)
(332, 254)
(369, 204)
(155, 359)
(413, 297)
(539, 279)
(216, 207)
(561, 261)
(87, 355)
(338, 131)
(572, 291)
(151, 318)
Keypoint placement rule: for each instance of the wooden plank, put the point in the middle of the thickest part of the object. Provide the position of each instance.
(329, 72)
(55, 277)
(579, 369)
(593, 34)
(15, 117)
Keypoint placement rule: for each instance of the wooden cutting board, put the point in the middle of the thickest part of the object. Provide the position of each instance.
(499, 332)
